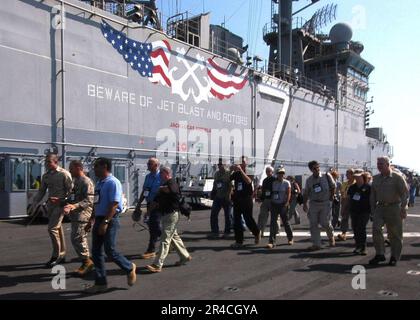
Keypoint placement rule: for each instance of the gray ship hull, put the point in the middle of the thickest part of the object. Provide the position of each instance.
(110, 109)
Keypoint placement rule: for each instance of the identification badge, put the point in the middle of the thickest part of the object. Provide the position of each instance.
(317, 188)
(146, 193)
(356, 197)
(219, 185)
(240, 186)
(267, 193)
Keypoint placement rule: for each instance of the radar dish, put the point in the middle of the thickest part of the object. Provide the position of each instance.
(340, 33)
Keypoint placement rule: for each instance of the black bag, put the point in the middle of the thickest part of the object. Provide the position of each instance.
(299, 198)
(184, 207)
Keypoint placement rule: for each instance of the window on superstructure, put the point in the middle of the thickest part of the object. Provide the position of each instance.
(119, 173)
(34, 175)
(18, 175)
(2, 174)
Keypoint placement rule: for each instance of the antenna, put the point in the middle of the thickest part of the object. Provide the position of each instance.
(321, 18)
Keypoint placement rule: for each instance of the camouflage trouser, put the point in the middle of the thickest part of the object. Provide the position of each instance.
(79, 237)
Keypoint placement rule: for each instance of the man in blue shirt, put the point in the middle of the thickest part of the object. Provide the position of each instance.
(105, 221)
(150, 189)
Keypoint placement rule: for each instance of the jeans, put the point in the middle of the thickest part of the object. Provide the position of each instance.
(292, 210)
(276, 210)
(219, 203)
(412, 195)
(107, 242)
(243, 207)
(345, 216)
(359, 221)
(155, 230)
(336, 206)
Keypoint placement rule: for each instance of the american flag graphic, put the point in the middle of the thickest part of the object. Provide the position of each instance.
(152, 60)
(148, 59)
(224, 84)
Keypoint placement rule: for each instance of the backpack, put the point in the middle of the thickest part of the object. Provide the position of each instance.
(184, 207)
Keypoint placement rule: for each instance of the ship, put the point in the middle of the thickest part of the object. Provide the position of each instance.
(89, 79)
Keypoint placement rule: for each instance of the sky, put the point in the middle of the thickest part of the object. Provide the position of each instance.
(389, 31)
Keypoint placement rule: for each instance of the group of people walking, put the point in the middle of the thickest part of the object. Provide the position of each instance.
(97, 209)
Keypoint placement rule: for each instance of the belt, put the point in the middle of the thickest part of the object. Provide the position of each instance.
(388, 204)
(319, 201)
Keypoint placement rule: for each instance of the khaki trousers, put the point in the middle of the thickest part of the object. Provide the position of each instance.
(170, 235)
(320, 214)
(55, 229)
(391, 217)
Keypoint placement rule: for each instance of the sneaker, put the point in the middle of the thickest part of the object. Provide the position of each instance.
(270, 246)
(392, 262)
(378, 258)
(258, 238)
(183, 261)
(55, 261)
(332, 242)
(132, 276)
(86, 267)
(226, 236)
(154, 268)
(148, 255)
(236, 245)
(342, 237)
(357, 251)
(290, 242)
(96, 288)
(314, 248)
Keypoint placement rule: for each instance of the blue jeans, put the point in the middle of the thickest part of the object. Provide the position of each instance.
(155, 230)
(107, 242)
(219, 203)
(412, 195)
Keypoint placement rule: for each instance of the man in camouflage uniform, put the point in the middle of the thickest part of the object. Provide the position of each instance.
(80, 206)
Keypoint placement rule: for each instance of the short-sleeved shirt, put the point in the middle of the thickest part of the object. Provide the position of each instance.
(359, 198)
(242, 189)
(318, 188)
(267, 188)
(222, 184)
(107, 191)
(280, 191)
(390, 189)
(151, 186)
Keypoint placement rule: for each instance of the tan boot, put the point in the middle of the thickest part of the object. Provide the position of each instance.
(86, 267)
